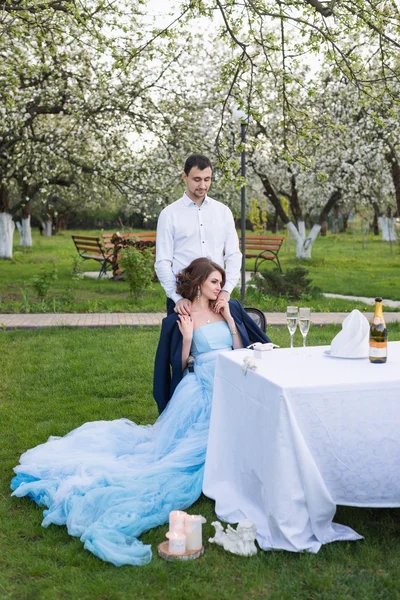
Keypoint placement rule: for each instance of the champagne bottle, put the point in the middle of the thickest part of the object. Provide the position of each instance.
(378, 335)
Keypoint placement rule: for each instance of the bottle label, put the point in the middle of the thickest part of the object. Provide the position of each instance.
(378, 349)
(377, 321)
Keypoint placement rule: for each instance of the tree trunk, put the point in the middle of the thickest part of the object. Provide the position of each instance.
(273, 198)
(48, 230)
(334, 198)
(335, 221)
(274, 223)
(7, 227)
(303, 244)
(387, 228)
(61, 223)
(294, 201)
(392, 159)
(375, 222)
(26, 231)
(7, 224)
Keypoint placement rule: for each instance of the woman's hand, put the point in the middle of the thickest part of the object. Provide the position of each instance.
(222, 306)
(185, 325)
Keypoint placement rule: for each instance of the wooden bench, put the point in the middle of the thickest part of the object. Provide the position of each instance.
(91, 247)
(263, 247)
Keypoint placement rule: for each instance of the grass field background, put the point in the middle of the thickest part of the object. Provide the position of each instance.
(341, 264)
(54, 380)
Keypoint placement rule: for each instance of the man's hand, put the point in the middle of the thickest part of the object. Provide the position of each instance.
(183, 307)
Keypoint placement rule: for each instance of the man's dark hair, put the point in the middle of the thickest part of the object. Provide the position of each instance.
(197, 160)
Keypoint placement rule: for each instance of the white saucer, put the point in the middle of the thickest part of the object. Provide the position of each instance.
(328, 353)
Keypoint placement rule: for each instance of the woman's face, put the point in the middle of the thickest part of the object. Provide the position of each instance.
(211, 287)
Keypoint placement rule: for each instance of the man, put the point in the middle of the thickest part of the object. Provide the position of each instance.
(194, 226)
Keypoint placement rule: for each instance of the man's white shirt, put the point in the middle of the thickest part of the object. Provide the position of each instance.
(186, 231)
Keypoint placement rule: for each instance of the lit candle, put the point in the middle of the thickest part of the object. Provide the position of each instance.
(193, 531)
(176, 543)
(177, 520)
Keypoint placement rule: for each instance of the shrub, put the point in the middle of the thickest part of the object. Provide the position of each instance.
(41, 283)
(293, 284)
(77, 267)
(258, 216)
(138, 268)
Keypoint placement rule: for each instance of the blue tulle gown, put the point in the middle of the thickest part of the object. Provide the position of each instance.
(109, 481)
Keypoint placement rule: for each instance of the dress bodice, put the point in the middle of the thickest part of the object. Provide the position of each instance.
(215, 336)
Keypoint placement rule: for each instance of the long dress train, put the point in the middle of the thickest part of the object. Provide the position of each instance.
(110, 481)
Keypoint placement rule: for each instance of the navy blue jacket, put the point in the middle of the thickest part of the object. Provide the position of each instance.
(168, 361)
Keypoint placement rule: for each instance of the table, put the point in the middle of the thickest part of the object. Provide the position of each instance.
(301, 434)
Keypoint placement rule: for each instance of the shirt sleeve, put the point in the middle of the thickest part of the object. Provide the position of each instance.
(232, 254)
(164, 256)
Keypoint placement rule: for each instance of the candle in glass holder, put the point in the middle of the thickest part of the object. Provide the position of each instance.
(193, 531)
(176, 542)
(177, 520)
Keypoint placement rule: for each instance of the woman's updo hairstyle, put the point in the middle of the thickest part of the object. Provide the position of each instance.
(189, 279)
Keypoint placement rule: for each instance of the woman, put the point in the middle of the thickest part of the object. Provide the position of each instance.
(168, 364)
(108, 482)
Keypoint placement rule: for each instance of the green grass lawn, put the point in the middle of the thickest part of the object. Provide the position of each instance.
(339, 265)
(52, 381)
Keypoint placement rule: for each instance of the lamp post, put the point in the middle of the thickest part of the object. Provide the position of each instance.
(240, 116)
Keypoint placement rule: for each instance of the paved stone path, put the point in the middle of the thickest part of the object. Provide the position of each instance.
(35, 321)
(371, 301)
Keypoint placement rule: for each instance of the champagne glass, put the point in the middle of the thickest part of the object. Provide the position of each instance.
(291, 320)
(304, 323)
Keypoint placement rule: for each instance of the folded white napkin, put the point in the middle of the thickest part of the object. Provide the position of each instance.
(353, 340)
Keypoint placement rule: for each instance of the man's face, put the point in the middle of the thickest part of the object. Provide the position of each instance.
(197, 183)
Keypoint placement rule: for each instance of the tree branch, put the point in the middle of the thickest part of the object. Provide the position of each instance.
(325, 11)
(16, 5)
(334, 199)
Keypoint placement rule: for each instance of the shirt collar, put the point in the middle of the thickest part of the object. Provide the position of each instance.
(188, 202)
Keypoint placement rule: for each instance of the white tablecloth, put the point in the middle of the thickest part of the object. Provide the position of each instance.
(301, 434)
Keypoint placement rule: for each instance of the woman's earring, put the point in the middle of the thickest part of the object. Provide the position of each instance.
(198, 294)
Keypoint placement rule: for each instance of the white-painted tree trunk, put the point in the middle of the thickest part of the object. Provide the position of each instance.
(304, 243)
(48, 228)
(387, 228)
(26, 233)
(7, 227)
